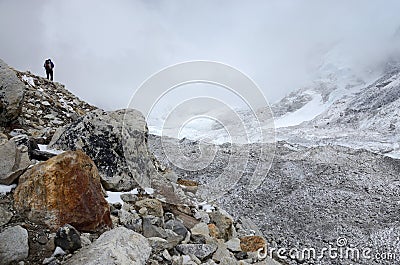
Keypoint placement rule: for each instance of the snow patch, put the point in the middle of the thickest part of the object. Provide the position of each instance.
(29, 80)
(206, 207)
(43, 147)
(6, 188)
(311, 110)
(115, 196)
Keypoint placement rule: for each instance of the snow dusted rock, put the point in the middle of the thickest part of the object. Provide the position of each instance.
(13, 245)
(64, 189)
(14, 160)
(117, 246)
(11, 95)
(99, 135)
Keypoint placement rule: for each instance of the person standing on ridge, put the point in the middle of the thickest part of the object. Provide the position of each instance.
(49, 65)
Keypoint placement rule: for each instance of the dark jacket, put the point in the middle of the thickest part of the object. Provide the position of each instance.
(48, 64)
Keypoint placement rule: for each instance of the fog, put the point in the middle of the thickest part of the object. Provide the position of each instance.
(103, 50)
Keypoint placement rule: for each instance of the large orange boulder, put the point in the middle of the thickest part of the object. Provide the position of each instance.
(65, 189)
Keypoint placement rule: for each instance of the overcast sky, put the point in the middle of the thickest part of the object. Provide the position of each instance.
(103, 50)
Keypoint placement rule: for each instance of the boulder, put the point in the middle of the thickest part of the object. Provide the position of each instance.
(13, 245)
(117, 246)
(12, 91)
(65, 189)
(14, 160)
(99, 134)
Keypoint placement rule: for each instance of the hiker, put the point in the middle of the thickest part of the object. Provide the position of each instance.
(49, 65)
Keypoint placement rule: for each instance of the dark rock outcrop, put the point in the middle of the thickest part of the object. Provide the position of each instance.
(68, 238)
(99, 134)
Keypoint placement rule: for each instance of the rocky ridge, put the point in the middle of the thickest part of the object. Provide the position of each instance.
(36, 106)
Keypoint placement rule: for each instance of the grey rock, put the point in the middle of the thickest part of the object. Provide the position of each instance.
(11, 94)
(173, 238)
(5, 215)
(195, 259)
(48, 260)
(200, 233)
(68, 238)
(200, 229)
(129, 197)
(85, 239)
(13, 245)
(14, 160)
(177, 227)
(177, 260)
(150, 230)
(202, 216)
(117, 143)
(229, 261)
(158, 244)
(153, 206)
(58, 252)
(186, 240)
(117, 246)
(186, 260)
(233, 244)
(222, 254)
(209, 262)
(130, 220)
(201, 251)
(166, 255)
(268, 261)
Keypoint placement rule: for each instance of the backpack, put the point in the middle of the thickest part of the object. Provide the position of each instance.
(49, 64)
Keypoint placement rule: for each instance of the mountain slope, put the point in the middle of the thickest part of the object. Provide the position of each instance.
(369, 118)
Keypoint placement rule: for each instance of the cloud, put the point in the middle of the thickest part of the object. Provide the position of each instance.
(103, 50)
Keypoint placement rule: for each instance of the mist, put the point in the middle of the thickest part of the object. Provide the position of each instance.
(104, 50)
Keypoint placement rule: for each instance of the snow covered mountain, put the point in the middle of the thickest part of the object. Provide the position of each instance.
(366, 117)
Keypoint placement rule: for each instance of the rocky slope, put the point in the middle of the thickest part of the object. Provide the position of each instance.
(311, 197)
(35, 106)
(52, 205)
